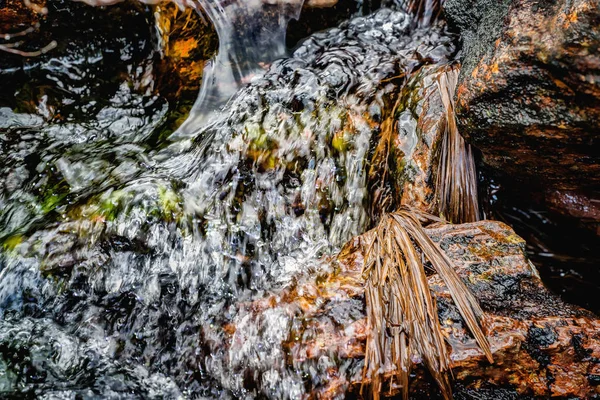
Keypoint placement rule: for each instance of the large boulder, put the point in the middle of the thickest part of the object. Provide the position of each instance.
(529, 95)
(542, 346)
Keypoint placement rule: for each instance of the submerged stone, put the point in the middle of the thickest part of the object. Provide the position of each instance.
(84, 116)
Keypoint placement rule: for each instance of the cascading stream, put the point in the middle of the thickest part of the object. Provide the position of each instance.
(138, 283)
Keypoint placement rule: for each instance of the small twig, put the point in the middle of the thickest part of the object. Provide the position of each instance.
(9, 36)
(10, 48)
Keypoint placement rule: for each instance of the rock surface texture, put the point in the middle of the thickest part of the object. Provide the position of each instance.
(542, 346)
(529, 95)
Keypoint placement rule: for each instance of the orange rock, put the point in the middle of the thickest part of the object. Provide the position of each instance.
(542, 346)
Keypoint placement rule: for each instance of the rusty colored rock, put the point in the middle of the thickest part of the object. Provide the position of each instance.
(16, 17)
(529, 97)
(541, 345)
(576, 205)
(188, 40)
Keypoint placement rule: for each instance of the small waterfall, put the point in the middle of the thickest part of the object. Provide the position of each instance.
(251, 36)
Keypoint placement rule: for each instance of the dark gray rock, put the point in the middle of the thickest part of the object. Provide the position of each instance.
(529, 94)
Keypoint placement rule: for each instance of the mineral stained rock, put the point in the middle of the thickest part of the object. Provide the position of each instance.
(529, 95)
(187, 40)
(541, 345)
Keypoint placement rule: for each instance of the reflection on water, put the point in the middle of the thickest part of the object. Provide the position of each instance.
(125, 266)
(565, 254)
(77, 118)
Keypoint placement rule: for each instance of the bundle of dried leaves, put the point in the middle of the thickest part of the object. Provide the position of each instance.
(401, 312)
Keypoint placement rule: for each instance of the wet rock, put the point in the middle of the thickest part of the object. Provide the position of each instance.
(187, 40)
(541, 345)
(529, 96)
(58, 109)
(581, 206)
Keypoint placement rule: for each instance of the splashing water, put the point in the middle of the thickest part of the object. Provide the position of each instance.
(136, 281)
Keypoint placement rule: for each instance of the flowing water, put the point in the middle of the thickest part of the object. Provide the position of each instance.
(251, 35)
(126, 267)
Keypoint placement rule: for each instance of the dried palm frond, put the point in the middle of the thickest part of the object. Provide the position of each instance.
(402, 315)
(456, 180)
